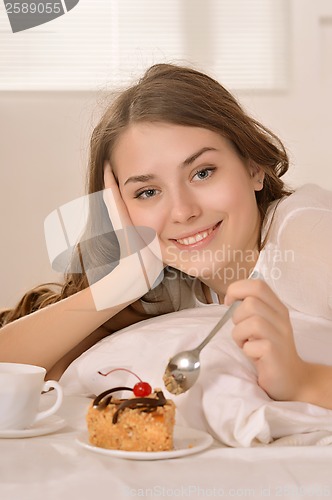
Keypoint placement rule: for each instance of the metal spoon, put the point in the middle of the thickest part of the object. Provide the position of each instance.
(183, 369)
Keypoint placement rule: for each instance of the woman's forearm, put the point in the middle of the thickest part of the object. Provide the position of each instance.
(317, 386)
(45, 336)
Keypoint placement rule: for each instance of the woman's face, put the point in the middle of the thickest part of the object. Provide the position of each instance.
(192, 188)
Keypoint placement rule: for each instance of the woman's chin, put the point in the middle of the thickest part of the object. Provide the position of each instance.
(193, 271)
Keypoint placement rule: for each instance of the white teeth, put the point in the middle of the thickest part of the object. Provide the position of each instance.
(194, 239)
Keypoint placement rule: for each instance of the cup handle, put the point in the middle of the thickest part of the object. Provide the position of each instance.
(49, 384)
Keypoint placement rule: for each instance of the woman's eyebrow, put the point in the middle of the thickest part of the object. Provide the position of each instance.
(140, 178)
(188, 161)
(194, 157)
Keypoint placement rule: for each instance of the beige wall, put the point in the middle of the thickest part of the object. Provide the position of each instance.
(302, 116)
(44, 140)
(43, 154)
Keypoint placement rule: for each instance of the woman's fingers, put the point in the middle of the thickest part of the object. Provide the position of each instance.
(253, 307)
(109, 179)
(257, 349)
(254, 327)
(261, 314)
(263, 330)
(256, 289)
(116, 207)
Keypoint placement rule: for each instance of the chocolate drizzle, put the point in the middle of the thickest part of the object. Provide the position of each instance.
(147, 404)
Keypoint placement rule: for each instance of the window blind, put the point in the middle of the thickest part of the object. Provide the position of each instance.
(106, 43)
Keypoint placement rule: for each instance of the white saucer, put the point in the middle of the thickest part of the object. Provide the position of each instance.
(187, 441)
(46, 426)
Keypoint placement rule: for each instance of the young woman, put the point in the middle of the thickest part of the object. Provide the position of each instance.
(176, 154)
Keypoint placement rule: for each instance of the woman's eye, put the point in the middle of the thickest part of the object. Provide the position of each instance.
(204, 173)
(147, 193)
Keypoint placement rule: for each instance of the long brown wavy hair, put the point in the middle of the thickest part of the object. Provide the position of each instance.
(176, 95)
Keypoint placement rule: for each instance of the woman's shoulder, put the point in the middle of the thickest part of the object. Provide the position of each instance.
(309, 200)
(308, 196)
(297, 254)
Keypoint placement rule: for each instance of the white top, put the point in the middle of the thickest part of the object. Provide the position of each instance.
(297, 259)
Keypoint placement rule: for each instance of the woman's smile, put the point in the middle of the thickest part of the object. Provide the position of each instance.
(199, 239)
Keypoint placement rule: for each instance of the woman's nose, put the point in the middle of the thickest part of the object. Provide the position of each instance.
(184, 206)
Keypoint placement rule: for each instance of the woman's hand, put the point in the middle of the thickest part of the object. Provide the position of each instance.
(264, 332)
(118, 213)
(140, 264)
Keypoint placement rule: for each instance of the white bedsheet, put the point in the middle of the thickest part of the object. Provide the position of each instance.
(226, 400)
(54, 467)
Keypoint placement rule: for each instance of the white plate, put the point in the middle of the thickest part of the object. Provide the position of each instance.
(46, 426)
(187, 441)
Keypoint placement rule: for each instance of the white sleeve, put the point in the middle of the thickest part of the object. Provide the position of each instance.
(298, 256)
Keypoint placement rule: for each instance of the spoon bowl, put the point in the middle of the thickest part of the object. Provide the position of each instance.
(182, 371)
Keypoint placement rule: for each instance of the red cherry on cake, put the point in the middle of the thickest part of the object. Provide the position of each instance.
(142, 389)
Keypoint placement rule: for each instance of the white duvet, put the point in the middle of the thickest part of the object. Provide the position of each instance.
(226, 400)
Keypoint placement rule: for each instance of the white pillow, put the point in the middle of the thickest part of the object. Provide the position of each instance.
(226, 400)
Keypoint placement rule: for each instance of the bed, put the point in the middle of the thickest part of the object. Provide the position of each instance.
(260, 448)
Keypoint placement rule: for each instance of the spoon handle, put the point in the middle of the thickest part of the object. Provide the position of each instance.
(228, 314)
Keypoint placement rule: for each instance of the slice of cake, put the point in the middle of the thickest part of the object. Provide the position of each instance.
(133, 424)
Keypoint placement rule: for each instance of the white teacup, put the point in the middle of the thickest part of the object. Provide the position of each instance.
(20, 390)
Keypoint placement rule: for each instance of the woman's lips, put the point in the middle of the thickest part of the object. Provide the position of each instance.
(197, 240)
